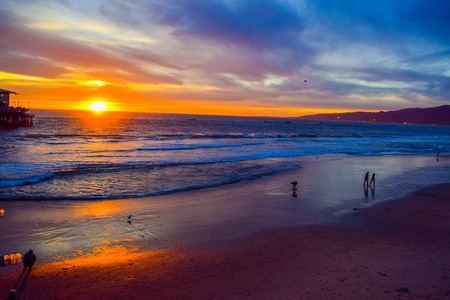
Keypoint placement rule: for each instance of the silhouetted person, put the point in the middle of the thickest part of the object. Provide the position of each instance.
(12, 295)
(28, 260)
(372, 189)
(294, 186)
(366, 179)
(437, 157)
(372, 180)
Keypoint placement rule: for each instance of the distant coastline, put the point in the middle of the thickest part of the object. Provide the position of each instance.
(426, 116)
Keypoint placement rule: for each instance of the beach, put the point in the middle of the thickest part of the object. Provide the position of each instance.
(225, 149)
(365, 249)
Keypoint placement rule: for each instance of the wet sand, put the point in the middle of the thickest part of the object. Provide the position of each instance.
(397, 249)
(328, 188)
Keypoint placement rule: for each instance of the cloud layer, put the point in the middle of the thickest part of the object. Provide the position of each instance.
(355, 55)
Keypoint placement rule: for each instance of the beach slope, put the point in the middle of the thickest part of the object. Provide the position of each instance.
(396, 250)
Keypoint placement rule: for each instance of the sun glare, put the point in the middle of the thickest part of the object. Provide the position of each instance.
(98, 106)
(95, 82)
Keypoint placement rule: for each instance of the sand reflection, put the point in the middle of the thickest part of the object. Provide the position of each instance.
(100, 209)
(105, 255)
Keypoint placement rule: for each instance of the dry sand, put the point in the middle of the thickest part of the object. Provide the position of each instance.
(396, 250)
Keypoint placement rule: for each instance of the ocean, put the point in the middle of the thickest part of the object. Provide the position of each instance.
(71, 155)
(69, 184)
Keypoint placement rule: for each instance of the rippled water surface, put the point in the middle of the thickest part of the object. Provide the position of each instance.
(70, 155)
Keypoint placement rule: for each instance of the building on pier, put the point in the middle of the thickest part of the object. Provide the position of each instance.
(13, 115)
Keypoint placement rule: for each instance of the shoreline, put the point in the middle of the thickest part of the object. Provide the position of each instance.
(397, 249)
(249, 240)
(328, 189)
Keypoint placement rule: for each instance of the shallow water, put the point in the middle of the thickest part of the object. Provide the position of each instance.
(68, 156)
(329, 187)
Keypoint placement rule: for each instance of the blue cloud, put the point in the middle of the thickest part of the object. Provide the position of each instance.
(260, 25)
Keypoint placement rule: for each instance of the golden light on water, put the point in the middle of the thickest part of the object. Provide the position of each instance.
(98, 106)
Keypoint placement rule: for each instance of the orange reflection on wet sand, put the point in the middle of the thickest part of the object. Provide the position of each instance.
(117, 240)
(105, 209)
(114, 255)
(100, 209)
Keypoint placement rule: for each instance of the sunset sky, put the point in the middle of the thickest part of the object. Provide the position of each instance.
(227, 57)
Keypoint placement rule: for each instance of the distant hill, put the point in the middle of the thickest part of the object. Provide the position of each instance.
(439, 115)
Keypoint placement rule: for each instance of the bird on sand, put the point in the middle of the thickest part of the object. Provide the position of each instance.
(129, 217)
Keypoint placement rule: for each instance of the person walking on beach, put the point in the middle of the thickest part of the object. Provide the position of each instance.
(294, 186)
(372, 180)
(28, 260)
(366, 179)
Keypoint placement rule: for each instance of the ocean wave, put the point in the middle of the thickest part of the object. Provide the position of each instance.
(25, 181)
(144, 193)
(251, 136)
(97, 167)
(160, 137)
(45, 137)
(192, 147)
(70, 138)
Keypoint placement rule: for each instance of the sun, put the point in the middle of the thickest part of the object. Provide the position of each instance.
(98, 106)
(95, 82)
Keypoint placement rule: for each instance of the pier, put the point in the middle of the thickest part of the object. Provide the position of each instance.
(13, 116)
